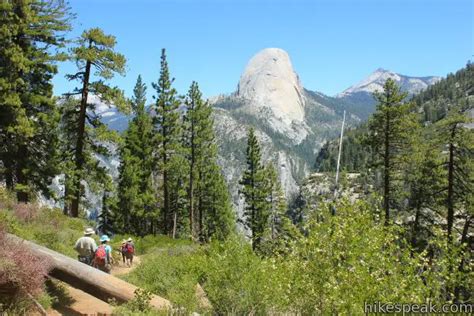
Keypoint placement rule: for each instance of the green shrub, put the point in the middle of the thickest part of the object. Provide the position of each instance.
(171, 275)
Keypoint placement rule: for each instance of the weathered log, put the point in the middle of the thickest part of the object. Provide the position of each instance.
(88, 279)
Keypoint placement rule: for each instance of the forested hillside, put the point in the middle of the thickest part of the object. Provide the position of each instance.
(431, 104)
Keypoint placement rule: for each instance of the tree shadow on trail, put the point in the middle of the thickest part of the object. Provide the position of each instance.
(62, 300)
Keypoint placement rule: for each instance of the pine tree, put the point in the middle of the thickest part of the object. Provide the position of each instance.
(94, 51)
(458, 147)
(193, 103)
(217, 218)
(255, 192)
(210, 211)
(67, 138)
(137, 197)
(168, 144)
(279, 229)
(423, 179)
(277, 202)
(106, 218)
(31, 36)
(389, 138)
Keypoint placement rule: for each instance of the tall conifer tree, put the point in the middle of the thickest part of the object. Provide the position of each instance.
(210, 212)
(255, 192)
(137, 197)
(457, 143)
(31, 33)
(94, 56)
(168, 133)
(389, 137)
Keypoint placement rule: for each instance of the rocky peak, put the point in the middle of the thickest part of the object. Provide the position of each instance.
(270, 81)
(375, 81)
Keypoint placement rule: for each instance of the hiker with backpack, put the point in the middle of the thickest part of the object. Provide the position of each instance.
(103, 255)
(128, 250)
(86, 247)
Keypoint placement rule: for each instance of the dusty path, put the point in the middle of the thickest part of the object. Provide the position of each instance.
(72, 301)
(121, 268)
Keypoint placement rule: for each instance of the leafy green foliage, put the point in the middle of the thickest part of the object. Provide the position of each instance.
(343, 261)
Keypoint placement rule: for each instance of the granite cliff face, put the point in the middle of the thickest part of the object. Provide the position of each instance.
(270, 81)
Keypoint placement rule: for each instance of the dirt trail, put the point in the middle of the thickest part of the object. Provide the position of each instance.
(72, 301)
(121, 268)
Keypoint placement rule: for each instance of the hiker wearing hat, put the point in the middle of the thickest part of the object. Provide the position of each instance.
(103, 255)
(128, 250)
(86, 247)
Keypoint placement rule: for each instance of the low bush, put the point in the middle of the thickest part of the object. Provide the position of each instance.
(171, 274)
(21, 272)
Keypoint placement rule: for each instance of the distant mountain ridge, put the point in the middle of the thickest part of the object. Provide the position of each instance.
(360, 94)
(431, 103)
(374, 82)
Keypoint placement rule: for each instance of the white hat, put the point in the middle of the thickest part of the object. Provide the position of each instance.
(129, 239)
(89, 231)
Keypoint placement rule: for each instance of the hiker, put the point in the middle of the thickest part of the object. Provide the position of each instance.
(86, 247)
(123, 250)
(103, 255)
(128, 250)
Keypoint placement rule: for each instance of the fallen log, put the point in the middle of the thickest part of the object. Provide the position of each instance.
(88, 279)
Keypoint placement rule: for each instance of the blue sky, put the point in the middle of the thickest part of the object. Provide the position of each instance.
(332, 44)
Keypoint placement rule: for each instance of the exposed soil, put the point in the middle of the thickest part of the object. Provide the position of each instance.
(121, 268)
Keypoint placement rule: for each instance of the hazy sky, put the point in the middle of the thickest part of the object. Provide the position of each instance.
(332, 44)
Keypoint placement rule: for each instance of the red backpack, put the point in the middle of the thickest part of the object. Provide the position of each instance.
(129, 248)
(100, 256)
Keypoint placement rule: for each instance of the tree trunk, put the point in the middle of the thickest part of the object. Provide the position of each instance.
(66, 207)
(9, 167)
(464, 240)
(450, 199)
(200, 211)
(22, 195)
(416, 227)
(386, 186)
(175, 219)
(79, 156)
(191, 184)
